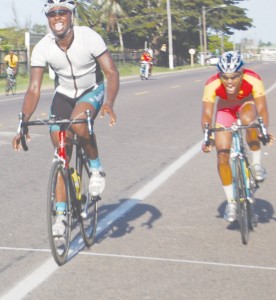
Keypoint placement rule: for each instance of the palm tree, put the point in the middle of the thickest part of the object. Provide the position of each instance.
(106, 11)
(88, 12)
(112, 11)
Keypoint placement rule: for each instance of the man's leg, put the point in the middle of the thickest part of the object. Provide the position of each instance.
(248, 114)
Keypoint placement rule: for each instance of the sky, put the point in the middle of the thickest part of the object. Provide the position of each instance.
(26, 10)
(263, 13)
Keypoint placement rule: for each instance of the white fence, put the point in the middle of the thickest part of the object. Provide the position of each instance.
(268, 54)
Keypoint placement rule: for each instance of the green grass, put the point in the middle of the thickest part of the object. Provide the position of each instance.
(124, 70)
(22, 83)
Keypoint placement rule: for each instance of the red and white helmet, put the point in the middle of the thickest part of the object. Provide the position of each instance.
(69, 4)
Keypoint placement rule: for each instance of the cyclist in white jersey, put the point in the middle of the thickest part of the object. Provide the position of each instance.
(76, 54)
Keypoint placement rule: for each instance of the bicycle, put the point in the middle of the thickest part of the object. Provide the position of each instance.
(244, 183)
(11, 81)
(144, 70)
(81, 205)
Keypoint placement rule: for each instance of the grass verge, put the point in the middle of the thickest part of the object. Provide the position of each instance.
(124, 69)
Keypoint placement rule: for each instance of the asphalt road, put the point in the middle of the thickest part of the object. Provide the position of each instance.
(161, 232)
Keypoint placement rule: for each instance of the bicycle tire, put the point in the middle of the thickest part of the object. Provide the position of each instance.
(253, 218)
(242, 202)
(59, 245)
(13, 87)
(88, 204)
(8, 87)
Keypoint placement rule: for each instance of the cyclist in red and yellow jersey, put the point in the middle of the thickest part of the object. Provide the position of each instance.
(236, 90)
(146, 57)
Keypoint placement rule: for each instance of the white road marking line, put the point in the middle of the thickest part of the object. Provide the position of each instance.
(271, 88)
(32, 281)
(141, 93)
(184, 261)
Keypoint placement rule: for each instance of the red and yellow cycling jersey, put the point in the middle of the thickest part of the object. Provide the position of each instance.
(251, 85)
(146, 57)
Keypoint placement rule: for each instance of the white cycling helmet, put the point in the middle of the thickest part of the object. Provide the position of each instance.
(49, 4)
(230, 62)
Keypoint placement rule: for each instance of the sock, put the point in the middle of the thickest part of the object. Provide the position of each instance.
(228, 189)
(95, 163)
(256, 157)
(60, 207)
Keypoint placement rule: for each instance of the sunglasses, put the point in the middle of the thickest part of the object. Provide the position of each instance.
(225, 77)
(60, 12)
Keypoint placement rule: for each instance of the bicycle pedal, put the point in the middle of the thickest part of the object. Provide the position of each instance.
(59, 239)
(84, 215)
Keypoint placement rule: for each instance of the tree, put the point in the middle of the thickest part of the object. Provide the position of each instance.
(112, 11)
(135, 22)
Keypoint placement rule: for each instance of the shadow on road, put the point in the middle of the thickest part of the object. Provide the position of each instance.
(117, 228)
(123, 225)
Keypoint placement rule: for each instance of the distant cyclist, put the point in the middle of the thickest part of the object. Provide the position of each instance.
(11, 69)
(236, 90)
(76, 54)
(147, 57)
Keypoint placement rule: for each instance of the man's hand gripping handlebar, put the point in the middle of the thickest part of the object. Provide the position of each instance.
(209, 141)
(264, 136)
(19, 141)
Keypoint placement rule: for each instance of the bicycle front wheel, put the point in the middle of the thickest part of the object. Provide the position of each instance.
(88, 204)
(59, 245)
(243, 213)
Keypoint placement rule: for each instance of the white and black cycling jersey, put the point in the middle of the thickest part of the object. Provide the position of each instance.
(76, 69)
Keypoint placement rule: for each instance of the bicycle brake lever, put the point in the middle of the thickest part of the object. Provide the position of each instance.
(265, 136)
(22, 131)
(206, 135)
(89, 121)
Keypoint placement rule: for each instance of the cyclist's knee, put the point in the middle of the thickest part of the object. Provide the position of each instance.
(81, 130)
(223, 156)
(248, 113)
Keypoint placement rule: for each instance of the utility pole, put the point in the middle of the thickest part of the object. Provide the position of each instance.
(170, 34)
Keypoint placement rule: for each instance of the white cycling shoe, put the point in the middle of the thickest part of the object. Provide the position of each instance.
(96, 182)
(231, 211)
(259, 172)
(59, 227)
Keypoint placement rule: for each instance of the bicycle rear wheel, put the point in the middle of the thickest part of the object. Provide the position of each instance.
(88, 204)
(59, 245)
(243, 208)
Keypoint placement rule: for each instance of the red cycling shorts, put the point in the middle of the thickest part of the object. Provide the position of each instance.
(226, 116)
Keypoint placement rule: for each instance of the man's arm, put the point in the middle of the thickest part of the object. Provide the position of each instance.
(206, 117)
(261, 107)
(30, 101)
(16, 65)
(33, 92)
(112, 77)
(207, 113)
